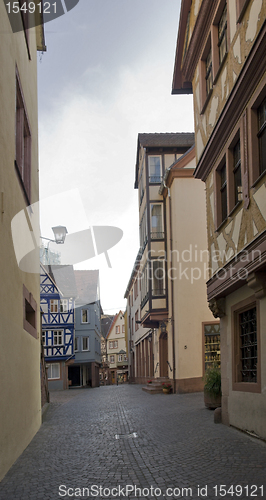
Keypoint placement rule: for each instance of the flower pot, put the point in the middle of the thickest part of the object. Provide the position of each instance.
(212, 400)
(166, 390)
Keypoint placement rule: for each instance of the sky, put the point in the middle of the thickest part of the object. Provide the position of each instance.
(105, 77)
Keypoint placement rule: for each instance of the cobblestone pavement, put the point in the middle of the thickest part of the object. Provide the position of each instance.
(113, 437)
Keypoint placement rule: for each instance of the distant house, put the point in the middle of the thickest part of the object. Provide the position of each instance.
(85, 370)
(57, 308)
(106, 322)
(117, 350)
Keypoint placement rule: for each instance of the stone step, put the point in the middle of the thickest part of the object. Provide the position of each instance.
(152, 389)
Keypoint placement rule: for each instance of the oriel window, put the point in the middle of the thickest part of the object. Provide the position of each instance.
(262, 136)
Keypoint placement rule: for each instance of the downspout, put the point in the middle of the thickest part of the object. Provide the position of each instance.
(172, 283)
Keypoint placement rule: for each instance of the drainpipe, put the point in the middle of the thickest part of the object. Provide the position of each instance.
(172, 283)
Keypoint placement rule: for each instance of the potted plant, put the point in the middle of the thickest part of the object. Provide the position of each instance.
(149, 381)
(166, 387)
(212, 387)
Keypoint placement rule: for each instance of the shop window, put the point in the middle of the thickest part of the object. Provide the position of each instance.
(212, 352)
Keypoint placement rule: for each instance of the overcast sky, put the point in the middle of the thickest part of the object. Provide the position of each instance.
(106, 76)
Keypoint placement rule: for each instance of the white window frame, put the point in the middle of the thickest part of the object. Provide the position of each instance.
(157, 232)
(117, 329)
(88, 316)
(153, 177)
(161, 290)
(88, 343)
(120, 358)
(53, 305)
(112, 358)
(56, 337)
(76, 344)
(63, 305)
(51, 368)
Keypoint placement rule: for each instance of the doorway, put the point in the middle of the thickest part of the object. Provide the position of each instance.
(163, 354)
(74, 375)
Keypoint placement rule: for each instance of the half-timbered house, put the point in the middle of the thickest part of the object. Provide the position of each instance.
(57, 308)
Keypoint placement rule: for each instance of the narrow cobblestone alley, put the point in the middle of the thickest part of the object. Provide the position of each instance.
(161, 446)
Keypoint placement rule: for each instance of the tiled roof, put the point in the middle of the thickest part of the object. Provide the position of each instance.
(106, 322)
(169, 139)
(64, 278)
(87, 286)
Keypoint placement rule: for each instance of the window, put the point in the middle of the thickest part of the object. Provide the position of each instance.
(85, 343)
(208, 76)
(53, 306)
(29, 313)
(136, 321)
(246, 355)
(156, 221)
(23, 144)
(117, 329)
(143, 229)
(84, 316)
(155, 169)
(120, 358)
(76, 344)
(123, 328)
(53, 371)
(44, 338)
(222, 35)
(112, 358)
(113, 344)
(262, 136)
(237, 173)
(58, 337)
(125, 357)
(158, 288)
(63, 305)
(223, 193)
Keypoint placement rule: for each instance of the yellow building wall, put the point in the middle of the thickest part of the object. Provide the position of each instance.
(188, 271)
(20, 409)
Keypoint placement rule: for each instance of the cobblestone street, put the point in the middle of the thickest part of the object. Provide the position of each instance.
(113, 436)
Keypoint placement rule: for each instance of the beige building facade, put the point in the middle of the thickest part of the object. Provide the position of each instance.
(169, 275)
(20, 409)
(116, 349)
(221, 57)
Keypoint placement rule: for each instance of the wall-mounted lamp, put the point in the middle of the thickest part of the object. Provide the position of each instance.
(60, 233)
(163, 327)
(149, 337)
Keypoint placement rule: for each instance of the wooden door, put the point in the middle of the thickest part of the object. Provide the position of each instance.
(163, 354)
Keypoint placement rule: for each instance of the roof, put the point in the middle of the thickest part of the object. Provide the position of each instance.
(114, 322)
(87, 286)
(183, 140)
(167, 140)
(63, 277)
(106, 322)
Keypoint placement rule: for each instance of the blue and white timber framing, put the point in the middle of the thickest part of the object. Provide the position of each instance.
(57, 324)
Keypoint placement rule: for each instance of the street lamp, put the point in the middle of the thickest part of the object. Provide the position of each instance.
(60, 233)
